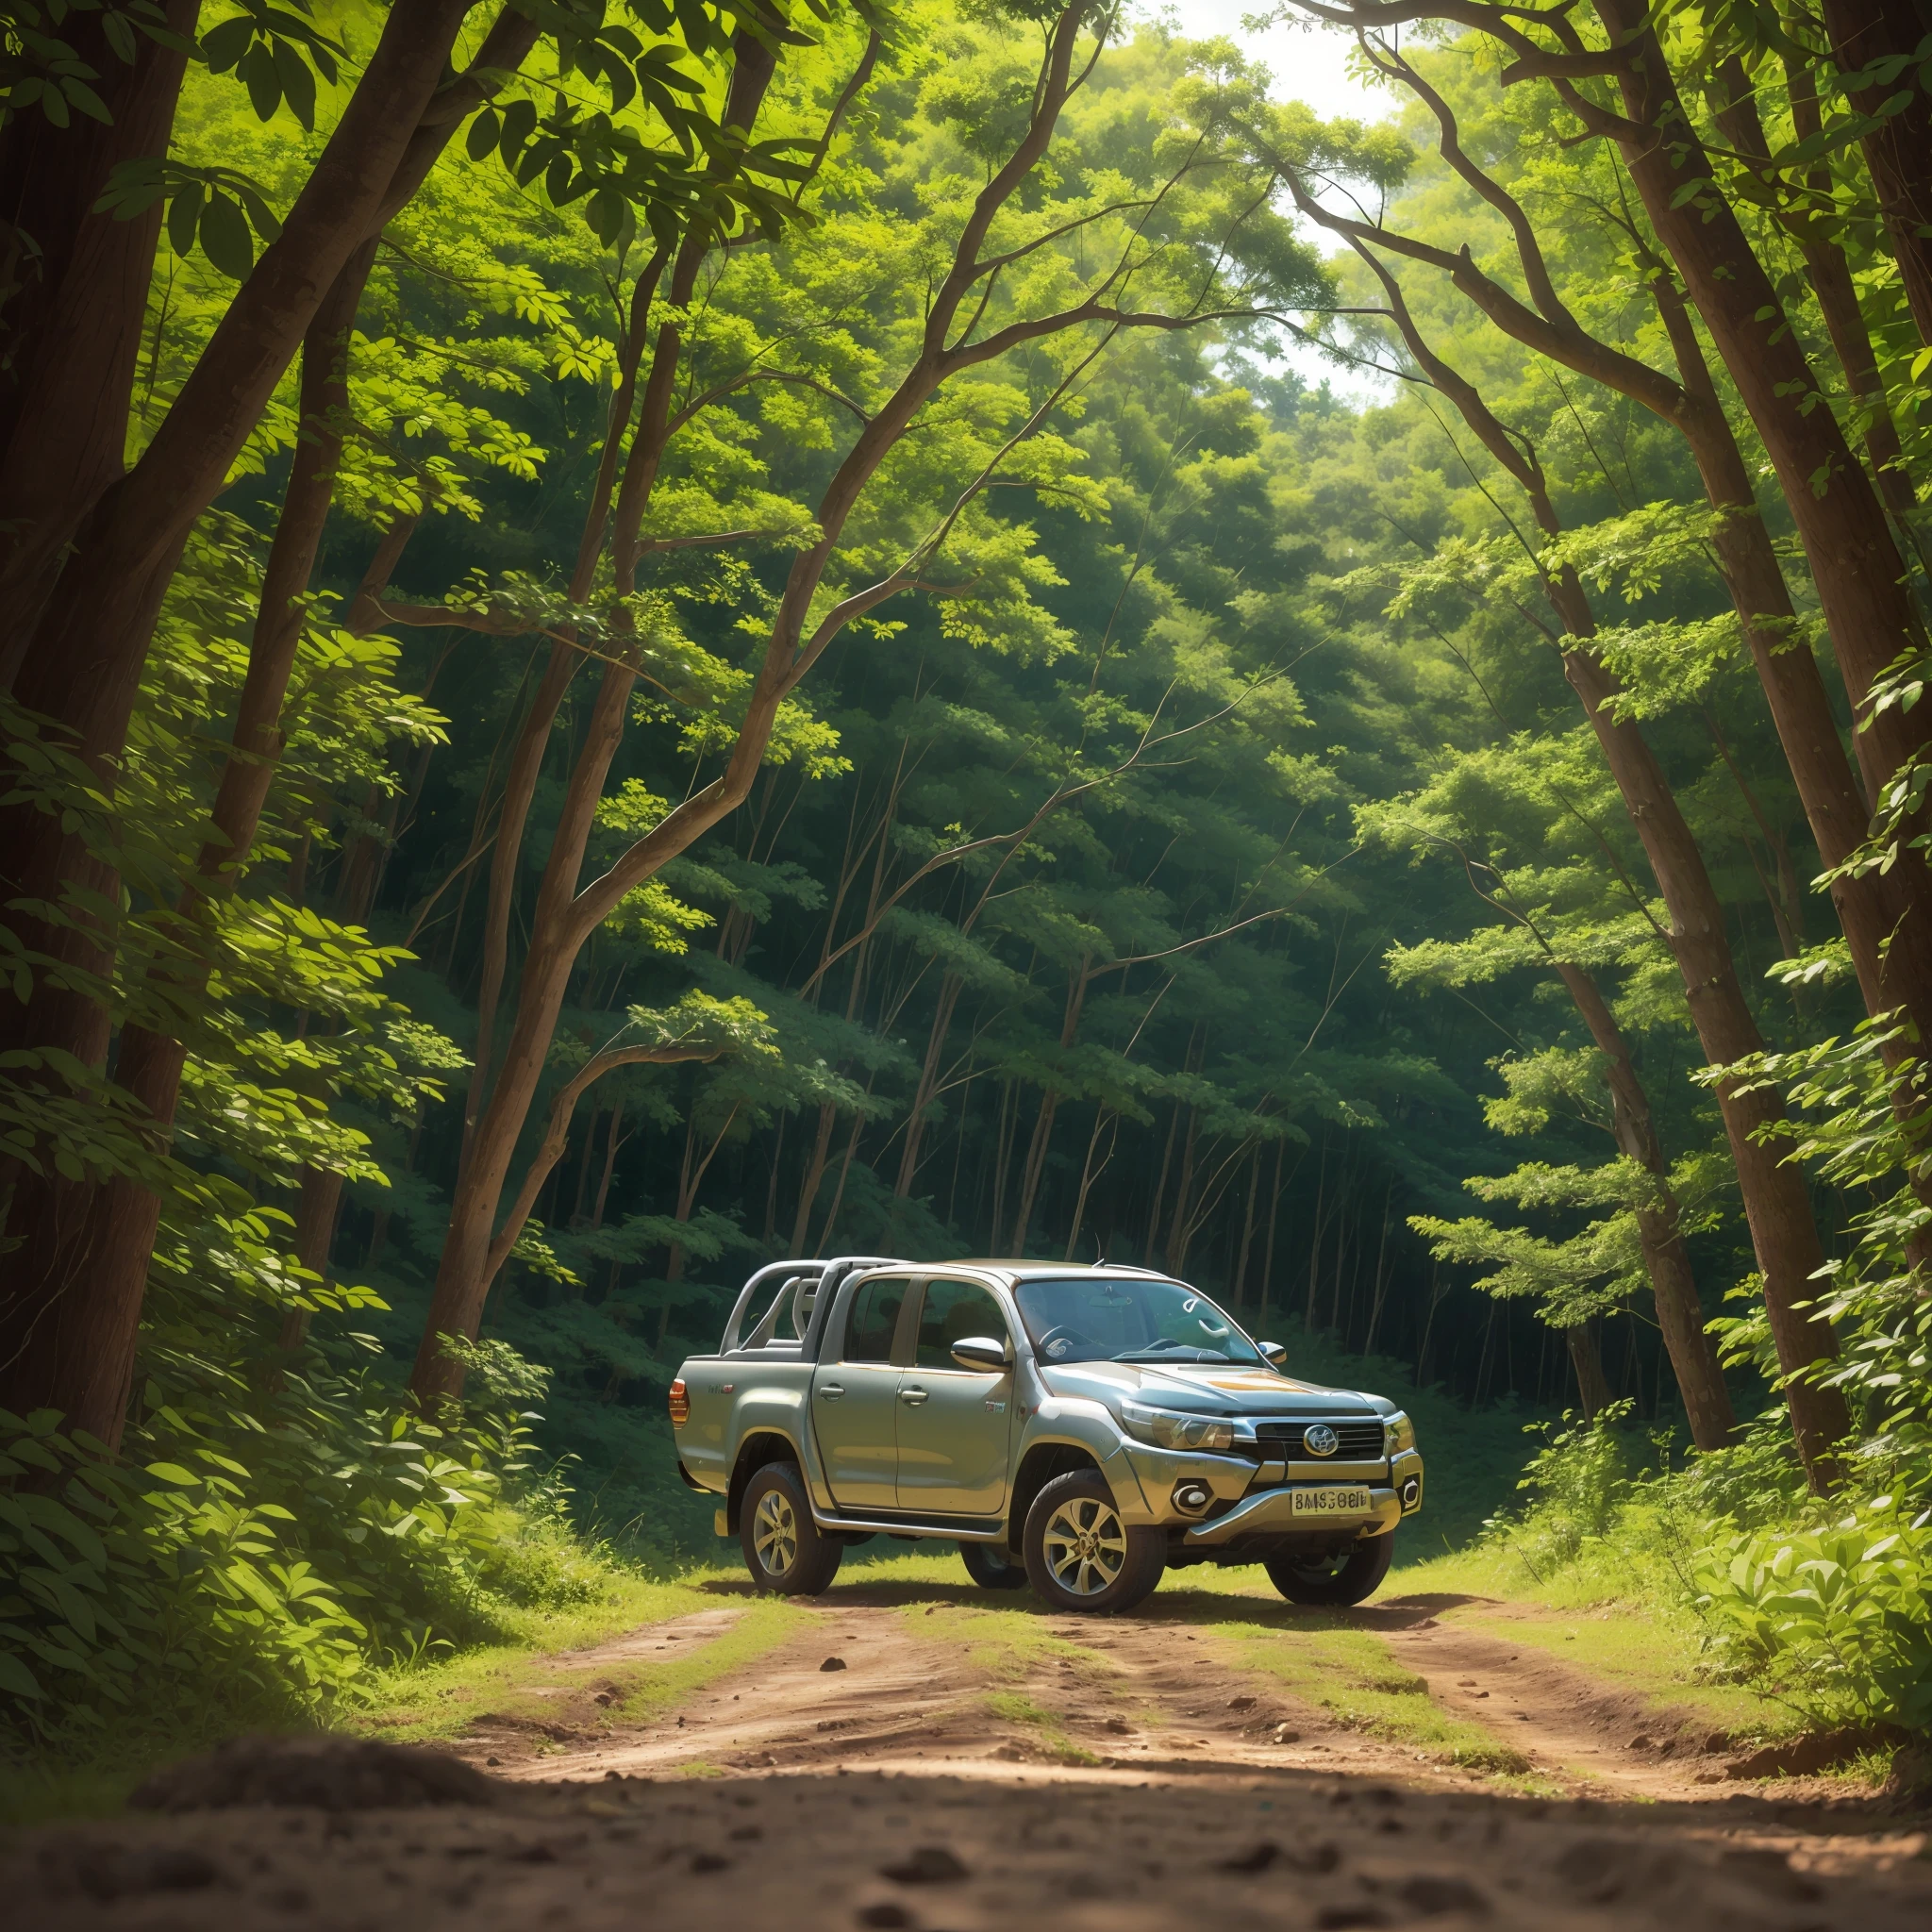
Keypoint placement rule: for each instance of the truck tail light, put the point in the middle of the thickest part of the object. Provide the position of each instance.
(680, 1405)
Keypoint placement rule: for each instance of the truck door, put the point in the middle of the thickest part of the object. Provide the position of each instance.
(855, 1399)
(954, 1425)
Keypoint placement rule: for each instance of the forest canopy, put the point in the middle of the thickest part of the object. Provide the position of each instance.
(643, 636)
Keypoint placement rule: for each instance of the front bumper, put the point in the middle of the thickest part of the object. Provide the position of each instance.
(1271, 1512)
(1252, 1498)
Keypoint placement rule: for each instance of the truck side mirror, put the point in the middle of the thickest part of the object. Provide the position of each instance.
(982, 1352)
(1273, 1353)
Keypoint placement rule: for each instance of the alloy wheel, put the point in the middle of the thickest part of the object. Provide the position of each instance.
(775, 1532)
(1085, 1546)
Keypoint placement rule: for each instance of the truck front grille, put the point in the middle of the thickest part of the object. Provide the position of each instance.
(1359, 1440)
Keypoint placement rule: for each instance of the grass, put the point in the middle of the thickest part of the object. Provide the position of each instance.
(1009, 1643)
(1613, 1612)
(1351, 1674)
(440, 1699)
(436, 1698)
(1016, 1707)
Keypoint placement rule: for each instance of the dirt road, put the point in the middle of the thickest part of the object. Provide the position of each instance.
(901, 1754)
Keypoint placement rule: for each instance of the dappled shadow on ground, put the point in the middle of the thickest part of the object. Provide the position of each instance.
(1093, 1850)
(1173, 1604)
(1180, 1605)
(887, 1594)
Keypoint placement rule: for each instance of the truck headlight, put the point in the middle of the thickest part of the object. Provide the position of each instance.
(1168, 1428)
(1398, 1433)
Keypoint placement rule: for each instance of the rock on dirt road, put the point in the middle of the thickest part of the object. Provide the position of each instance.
(1137, 1774)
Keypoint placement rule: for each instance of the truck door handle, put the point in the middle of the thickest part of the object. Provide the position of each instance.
(830, 1392)
(914, 1396)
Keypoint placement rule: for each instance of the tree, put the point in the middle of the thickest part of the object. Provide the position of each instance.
(982, 308)
(1784, 1231)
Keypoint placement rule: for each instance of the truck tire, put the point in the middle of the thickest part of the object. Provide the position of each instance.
(782, 1546)
(1081, 1556)
(1346, 1578)
(991, 1568)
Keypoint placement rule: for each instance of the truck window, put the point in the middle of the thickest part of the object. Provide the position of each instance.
(953, 1311)
(875, 1320)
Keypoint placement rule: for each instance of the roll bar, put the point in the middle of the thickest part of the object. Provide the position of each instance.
(805, 1290)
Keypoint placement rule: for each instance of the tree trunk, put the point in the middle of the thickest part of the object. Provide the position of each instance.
(1886, 917)
(950, 987)
(1679, 1312)
(814, 1174)
(83, 665)
(1034, 1165)
(1898, 151)
(67, 1336)
(1855, 565)
(611, 1144)
(1784, 1232)
(1587, 1358)
(1177, 1228)
(75, 328)
(1838, 302)
(1241, 1266)
(316, 1210)
(1088, 1175)
(798, 635)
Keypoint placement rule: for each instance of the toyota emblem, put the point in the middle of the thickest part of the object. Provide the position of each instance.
(1321, 1439)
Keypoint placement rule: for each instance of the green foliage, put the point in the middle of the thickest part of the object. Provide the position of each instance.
(353, 1535)
(1579, 1482)
(1838, 1618)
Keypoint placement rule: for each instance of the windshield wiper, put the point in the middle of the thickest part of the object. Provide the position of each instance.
(1173, 1355)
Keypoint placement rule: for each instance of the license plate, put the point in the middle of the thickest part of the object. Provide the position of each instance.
(1331, 1503)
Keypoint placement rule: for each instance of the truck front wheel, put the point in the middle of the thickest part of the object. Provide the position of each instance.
(782, 1546)
(1080, 1555)
(1349, 1576)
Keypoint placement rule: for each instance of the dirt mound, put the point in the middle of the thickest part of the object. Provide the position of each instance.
(1815, 1751)
(327, 1773)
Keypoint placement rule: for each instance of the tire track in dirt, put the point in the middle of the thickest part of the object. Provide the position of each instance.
(1574, 1727)
(788, 1708)
(1132, 1697)
(1153, 1694)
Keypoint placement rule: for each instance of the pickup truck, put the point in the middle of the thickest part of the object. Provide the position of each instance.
(1078, 1428)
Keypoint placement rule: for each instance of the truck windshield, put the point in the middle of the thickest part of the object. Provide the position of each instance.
(1089, 1319)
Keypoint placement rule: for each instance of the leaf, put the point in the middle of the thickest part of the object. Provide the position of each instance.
(519, 125)
(223, 47)
(298, 83)
(263, 83)
(486, 132)
(225, 238)
(184, 216)
(16, 1679)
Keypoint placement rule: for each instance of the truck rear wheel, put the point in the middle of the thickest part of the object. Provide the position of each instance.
(1079, 1553)
(782, 1546)
(1347, 1577)
(991, 1568)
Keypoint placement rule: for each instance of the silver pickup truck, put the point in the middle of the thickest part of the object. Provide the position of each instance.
(1080, 1429)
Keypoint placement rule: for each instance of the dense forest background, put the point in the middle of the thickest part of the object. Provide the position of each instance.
(788, 664)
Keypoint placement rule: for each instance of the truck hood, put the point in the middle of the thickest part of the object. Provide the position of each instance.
(1207, 1388)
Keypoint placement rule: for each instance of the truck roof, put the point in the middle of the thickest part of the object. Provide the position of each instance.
(1010, 1271)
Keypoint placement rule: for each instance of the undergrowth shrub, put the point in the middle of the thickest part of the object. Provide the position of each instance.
(260, 1548)
(1837, 1619)
(1578, 1482)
